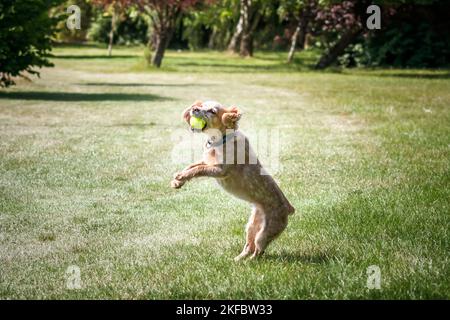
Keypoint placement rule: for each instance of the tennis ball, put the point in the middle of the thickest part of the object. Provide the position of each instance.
(197, 123)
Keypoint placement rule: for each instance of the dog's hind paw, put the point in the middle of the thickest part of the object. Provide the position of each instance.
(240, 257)
(257, 254)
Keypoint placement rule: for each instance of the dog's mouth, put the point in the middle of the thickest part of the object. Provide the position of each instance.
(205, 126)
(199, 130)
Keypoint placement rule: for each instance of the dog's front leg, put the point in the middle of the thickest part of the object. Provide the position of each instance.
(202, 170)
(178, 176)
(193, 165)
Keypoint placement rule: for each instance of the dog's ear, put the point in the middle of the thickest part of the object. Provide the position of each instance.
(230, 117)
(187, 111)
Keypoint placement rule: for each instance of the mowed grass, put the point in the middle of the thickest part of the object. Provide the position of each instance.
(86, 161)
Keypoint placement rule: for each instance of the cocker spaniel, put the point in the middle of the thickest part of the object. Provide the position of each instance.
(231, 161)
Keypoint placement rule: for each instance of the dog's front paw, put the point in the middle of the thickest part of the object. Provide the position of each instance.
(176, 184)
(178, 176)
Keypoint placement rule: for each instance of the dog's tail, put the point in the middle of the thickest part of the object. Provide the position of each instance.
(290, 209)
(287, 205)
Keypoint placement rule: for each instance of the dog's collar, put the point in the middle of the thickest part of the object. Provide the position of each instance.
(211, 144)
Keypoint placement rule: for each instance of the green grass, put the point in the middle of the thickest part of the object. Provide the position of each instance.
(85, 169)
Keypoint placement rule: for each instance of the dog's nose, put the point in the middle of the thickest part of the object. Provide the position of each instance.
(195, 111)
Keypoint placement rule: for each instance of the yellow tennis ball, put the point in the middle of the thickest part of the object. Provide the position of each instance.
(197, 123)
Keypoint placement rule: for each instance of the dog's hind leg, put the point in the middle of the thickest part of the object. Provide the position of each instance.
(272, 226)
(253, 226)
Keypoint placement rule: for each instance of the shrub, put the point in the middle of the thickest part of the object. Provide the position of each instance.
(25, 37)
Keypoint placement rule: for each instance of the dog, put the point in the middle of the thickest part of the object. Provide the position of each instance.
(232, 162)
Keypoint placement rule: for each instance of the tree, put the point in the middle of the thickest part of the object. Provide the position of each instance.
(65, 34)
(250, 15)
(345, 20)
(233, 45)
(117, 9)
(25, 37)
(302, 12)
(212, 26)
(164, 15)
(413, 34)
(246, 46)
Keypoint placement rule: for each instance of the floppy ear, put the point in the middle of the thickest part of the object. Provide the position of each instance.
(187, 111)
(231, 117)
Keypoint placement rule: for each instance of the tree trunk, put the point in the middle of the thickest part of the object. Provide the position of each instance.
(235, 39)
(212, 39)
(162, 41)
(302, 35)
(293, 43)
(246, 47)
(248, 28)
(111, 33)
(299, 37)
(330, 57)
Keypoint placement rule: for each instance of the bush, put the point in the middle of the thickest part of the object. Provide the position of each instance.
(25, 37)
(355, 56)
(415, 36)
(409, 45)
(132, 29)
(76, 35)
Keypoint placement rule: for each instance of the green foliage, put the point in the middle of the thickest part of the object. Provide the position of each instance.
(271, 28)
(25, 37)
(132, 28)
(355, 56)
(412, 35)
(212, 26)
(409, 45)
(288, 8)
(87, 15)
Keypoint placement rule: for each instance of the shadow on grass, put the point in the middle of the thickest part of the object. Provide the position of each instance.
(417, 75)
(80, 45)
(257, 63)
(98, 56)
(230, 68)
(112, 84)
(76, 96)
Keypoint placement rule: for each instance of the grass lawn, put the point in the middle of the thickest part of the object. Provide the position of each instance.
(85, 166)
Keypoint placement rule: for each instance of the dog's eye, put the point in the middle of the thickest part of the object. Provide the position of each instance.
(213, 111)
